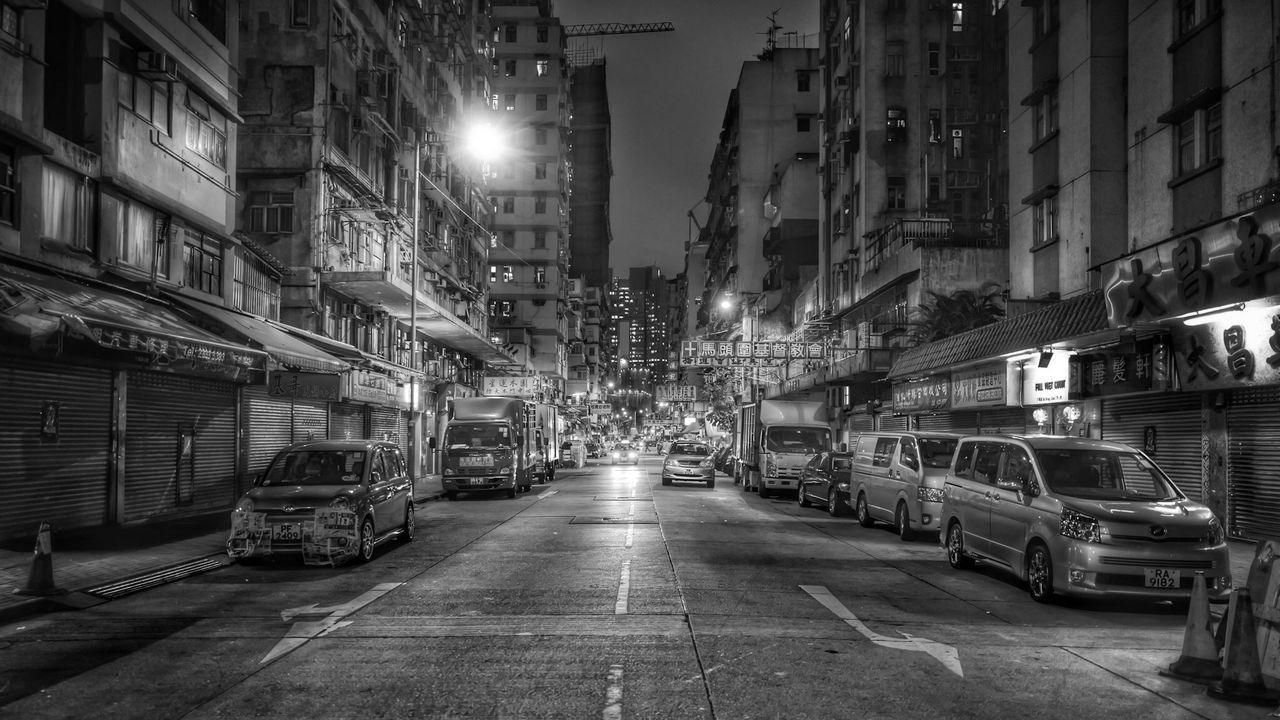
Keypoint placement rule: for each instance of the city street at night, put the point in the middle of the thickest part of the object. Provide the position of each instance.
(606, 594)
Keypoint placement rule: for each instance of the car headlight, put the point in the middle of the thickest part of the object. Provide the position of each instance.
(448, 471)
(669, 462)
(1079, 526)
(770, 464)
(928, 494)
(342, 502)
(245, 506)
(616, 456)
(706, 463)
(504, 469)
(1216, 534)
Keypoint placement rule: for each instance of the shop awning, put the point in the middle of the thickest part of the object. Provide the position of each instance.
(285, 349)
(1068, 320)
(50, 314)
(352, 354)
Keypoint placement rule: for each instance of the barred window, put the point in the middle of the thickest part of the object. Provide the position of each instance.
(271, 212)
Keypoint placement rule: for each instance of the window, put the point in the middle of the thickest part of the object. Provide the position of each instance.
(68, 207)
(935, 189)
(896, 191)
(509, 101)
(206, 131)
(510, 70)
(1046, 17)
(895, 60)
(540, 274)
(934, 59)
(508, 238)
(8, 187)
(212, 14)
(540, 136)
(271, 212)
(202, 263)
(540, 102)
(1044, 221)
(140, 234)
(300, 13)
(543, 34)
(508, 205)
(803, 123)
(1191, 13)
(539, 204)
(540, 171)
(882, 456)
(543, 64)
(509, 32)
(896, 125)
(148, 100)
(1046, 115)
(802, 81)
(539, 239)
(1200, 139)
(957, 17)
(508, 273)
(9, 21)
(493, 273)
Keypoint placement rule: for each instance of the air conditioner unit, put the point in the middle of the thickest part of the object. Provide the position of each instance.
(157, 66)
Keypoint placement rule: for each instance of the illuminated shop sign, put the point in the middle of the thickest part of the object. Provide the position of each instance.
(982, 386)
(1058, 381)
(1233, 349)
(1114, 371)
(726, 353)
(925, 395)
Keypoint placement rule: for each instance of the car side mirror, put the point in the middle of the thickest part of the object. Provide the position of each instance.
(375, 477)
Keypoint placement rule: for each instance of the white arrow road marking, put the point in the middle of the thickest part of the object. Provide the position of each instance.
(301, 632)
(945, 654)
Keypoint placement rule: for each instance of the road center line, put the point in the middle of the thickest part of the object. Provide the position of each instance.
(631, 530)
(624, 589)
(613, 695)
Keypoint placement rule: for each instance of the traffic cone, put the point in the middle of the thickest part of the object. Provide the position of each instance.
(40, 579)
(1242, 668)
(1199, 660)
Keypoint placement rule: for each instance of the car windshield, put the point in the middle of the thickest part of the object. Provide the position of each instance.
(1094, 474)
(798, 440)
(316, 467)
(935, 452)
(690, 449)
(477, 435)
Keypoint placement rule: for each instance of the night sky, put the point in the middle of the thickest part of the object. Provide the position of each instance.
(667, 95)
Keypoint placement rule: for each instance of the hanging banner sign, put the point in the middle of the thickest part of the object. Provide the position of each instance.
(982, 385)
(675, 393)
(715, 353)
(927, 395)
(521, 386)
(601, 409)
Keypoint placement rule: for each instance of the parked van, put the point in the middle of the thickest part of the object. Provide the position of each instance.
(1080, 517)
(897, 478)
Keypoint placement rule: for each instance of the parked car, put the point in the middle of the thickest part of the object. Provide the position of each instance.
(594, 450)
(625, 453)
(825, 479)
(1079, 517)
(722, 458)
(326, 500)
(689, 461)
(897, 479)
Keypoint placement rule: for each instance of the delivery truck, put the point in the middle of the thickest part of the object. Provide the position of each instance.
(492, 444)
(774, 439)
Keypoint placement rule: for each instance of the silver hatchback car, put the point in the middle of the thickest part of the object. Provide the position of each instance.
(689, 461)
(1079, 517)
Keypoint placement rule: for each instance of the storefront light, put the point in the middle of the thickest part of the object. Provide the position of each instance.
(1041, 416)
(1226, 313)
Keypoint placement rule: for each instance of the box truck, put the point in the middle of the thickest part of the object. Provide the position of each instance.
(775, 438)
(492, 444)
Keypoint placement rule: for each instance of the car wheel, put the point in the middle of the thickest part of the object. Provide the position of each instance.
(511, 492)
(1040, 573)
(864, 515)
(666, 481)
(764, 491)
(711, 483)
(365, 551)
(902, 523)
(801, 498)
(410, 524)
(835, 506)
(451, 494)
(956, 556)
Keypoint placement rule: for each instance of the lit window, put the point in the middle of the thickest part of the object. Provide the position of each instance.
(508, 273)
(957, 17)
(1200, 139)
(1045, 221)
(896, 125)
(69, 207)
(544, 66)
(540, 274)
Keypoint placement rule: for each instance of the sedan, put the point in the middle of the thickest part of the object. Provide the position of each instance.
(625, 454)
(689, 461)
(329, 501)
(825, 480)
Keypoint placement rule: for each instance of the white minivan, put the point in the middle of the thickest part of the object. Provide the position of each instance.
(897, 478)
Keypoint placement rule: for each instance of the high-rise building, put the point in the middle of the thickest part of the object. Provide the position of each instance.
(529, 262)
(590, 231)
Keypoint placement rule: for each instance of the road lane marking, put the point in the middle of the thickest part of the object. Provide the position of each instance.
(613, 695)
(301, 632)
(624, 589)
(945, 654)
(631, 530)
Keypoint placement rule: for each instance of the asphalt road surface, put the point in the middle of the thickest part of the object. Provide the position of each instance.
(607, 595)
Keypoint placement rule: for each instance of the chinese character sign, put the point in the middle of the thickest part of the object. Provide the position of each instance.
(730, 353)
(521, 386)
(926, 395)
(675, 393)
(1241, 349)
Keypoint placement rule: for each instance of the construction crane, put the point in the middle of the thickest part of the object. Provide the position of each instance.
(616, 28)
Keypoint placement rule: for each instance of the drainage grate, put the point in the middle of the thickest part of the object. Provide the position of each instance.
(170, 574)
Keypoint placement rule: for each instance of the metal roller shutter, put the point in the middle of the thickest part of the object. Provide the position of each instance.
(1253, 454)
(180, 445)
(893, 422)
(961, 422)
(387, 424)
(1002, 421)
(62, 479)
(1178, 433)
(266, 422)
(310, 420)
(860, 423)
(346, 421)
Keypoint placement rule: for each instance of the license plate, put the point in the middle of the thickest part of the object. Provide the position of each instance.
(475, 460)
(292, 531)
(1163, 578)
(478, 481)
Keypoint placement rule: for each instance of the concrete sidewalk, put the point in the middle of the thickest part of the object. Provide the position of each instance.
(97, 565)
